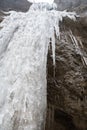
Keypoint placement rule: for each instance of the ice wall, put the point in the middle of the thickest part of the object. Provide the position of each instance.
(24, 42)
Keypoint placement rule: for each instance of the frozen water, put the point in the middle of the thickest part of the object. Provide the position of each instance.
(24, 42)
(41, 1)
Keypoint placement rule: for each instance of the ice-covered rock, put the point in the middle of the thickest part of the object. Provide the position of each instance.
(24, 42)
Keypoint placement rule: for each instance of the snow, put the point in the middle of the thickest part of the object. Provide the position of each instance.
(24, 41)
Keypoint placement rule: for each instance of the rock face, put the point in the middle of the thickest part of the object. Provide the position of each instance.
(68, 4)
(67, 90)
(23, 5)
(18, 5)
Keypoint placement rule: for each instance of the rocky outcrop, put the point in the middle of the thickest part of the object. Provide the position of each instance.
(18, 5)
(1, 16)
(68, 4)
(67, 89)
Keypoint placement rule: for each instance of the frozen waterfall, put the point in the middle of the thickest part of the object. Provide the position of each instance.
(24, 41)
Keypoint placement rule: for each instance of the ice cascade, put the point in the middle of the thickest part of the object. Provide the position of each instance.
(24, 41)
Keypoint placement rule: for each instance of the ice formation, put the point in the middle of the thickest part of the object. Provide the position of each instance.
(24, 41)
(41, 1)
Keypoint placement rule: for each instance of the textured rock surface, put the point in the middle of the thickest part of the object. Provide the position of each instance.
(19, 5)
(68, 4)
(67, 91)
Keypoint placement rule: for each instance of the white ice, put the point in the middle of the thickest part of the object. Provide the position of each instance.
(24, 41)
(41, 1)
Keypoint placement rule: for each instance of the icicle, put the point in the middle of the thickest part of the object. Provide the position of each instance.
(53, 49)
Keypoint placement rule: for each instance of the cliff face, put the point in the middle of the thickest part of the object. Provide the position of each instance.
(67, 91)
(18, 5)
(68, 4)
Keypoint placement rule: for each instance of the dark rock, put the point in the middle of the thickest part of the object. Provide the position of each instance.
(69, 4)
(18, 5)
(67, 91)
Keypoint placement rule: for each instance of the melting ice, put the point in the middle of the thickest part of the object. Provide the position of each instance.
(24, 42)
